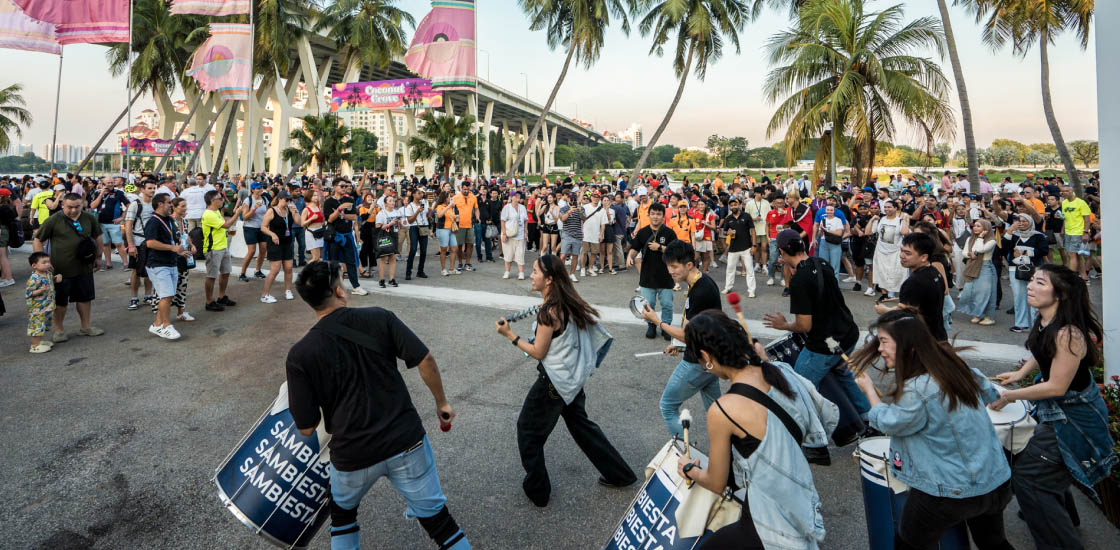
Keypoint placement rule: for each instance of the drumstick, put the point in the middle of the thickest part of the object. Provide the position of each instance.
(835, 347)
(733, 299)
(686, 423)
(650, 354)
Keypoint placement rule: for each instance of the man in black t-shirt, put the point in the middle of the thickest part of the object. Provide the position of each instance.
(341, 211)
(740, 227)
(689, 377)
(925, 288)
(819, 313)
(346, 366)
(654, 281)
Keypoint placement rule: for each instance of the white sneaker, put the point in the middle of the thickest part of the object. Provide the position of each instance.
(850, 279)
(573, 277)
(676, 287)
(770, 281)
(154, 330)
(582, 272)
(520, 276)
(7, 282)
(505, 275)
(457, 271)
(268, 299)
(870, 291)
(750, 294)
(185, 316)
(594, 273)
(444, 272)
(169, 333)
(715, 264)
(359, 291)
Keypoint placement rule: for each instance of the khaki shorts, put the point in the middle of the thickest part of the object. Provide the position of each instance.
(761, 239)
(704, 246)
(218, 263)
(465, 235)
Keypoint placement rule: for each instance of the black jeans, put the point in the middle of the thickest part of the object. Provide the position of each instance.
(367, 255)
(1041, 482)
(542, 408)
(300, 244)
(416, 244)
(926, 518)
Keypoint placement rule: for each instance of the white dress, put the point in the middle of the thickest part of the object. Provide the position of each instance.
(888, 269)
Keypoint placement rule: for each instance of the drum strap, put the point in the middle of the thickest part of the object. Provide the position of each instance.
(354, 336)
(756, 395)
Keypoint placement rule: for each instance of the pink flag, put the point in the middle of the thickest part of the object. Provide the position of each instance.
(223, 63)
(81, 21)
(442, 48)
(209, 7)
(20, 32)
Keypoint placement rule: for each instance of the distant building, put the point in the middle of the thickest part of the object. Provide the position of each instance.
(631, 136)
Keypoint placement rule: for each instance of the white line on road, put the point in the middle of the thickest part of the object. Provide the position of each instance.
(617, 315)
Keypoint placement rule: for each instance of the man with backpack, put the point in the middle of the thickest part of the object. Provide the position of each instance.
(110, 203)
(138, 213)
(215, 246)
(75, 239)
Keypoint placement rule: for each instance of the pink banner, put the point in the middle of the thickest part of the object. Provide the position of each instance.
(20, 32)
(82, 21)
(209, 7)
(442, 49)
(409, 93)
(222, 63)
(156, 147)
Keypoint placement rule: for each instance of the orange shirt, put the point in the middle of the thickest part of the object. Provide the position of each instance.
(448, 216)
(683, 226)
(1037, 205)
(717, 186)
(643, 214)
(466, 205)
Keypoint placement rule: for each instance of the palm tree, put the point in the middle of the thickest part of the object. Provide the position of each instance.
(277, 27)
(580, 26)
(12, 114)
(372, 31)
(448, 139)
(321, 140)
(962, 96)
(162, 46)
(845, 66)
(700, 28)
(1027, 22)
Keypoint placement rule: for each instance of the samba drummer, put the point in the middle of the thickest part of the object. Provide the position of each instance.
(688, 377)
(346, 366)
(943, 444)
(568, 344)
(755, 431)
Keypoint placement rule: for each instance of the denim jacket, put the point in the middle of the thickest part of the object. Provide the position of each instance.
(783, 501)
(1080, 422)
(945, 454)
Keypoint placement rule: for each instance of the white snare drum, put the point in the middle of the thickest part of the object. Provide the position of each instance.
(1014, 426)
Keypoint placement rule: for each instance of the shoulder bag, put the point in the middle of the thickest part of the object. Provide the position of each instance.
(87, 248)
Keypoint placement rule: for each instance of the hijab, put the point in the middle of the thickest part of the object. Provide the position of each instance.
(1029, 232)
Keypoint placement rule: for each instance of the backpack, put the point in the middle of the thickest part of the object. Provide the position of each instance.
(196, 239)
(15, 234)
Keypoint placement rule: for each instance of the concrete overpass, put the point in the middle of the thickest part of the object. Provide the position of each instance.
(319, 65)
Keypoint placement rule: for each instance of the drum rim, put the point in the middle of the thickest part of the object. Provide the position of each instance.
(861, 453)
(1026, 413)
(634, 310)
(259, 530)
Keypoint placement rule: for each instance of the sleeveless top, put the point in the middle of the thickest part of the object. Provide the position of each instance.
(281, 225)
(315, 217)
(1081, 379)
(748, 444)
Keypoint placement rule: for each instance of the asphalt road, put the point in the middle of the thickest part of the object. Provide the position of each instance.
(112, 440)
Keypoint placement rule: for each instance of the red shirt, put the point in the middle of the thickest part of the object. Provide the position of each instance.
(530, 206)
(775, 221)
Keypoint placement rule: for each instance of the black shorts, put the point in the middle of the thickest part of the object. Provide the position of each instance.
(74, 289)
(608, 235)
(279, 252)
(139, 262)
(857, 246)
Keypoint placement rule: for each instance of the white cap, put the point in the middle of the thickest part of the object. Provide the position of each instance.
(642, 191)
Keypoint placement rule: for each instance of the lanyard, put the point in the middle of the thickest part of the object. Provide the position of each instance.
(165, 226)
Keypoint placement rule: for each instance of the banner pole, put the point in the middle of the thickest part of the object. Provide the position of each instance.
(477, 123)
(57, 91)
(249, 149)
(128, 98)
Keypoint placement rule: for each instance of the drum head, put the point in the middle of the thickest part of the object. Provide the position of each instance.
(1010, 414)
(875, 447)
(637, 306)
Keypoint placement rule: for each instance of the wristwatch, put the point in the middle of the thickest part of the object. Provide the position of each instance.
(688, 468)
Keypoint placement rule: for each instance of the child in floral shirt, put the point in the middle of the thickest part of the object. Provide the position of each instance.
(40, 300)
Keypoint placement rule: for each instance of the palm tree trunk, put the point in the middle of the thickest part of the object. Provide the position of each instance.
(204, 138)
(962, 95)
(179, 134)
(547, 106)
(96, 146)
(230, 123)
(665, 121)
(1051, 120)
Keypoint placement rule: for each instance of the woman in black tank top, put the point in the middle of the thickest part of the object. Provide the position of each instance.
(277, 226)
(1072, 440)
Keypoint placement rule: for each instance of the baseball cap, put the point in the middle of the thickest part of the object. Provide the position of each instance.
(59, 187)
(869, 189)
(732, 199)
(642, 192)
(787, 236)
(682, 202)
(283, 195)
(256, 185)
(5, 192)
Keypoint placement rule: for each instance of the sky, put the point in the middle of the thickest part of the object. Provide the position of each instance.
(628, 84)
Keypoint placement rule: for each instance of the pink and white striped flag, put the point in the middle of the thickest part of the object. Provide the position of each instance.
(20, 32)
(209, 7)
(223, 63)
(81, 21)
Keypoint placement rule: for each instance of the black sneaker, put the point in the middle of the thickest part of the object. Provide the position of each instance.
(666, 336)
(857, 288)
(1019, 329)
(225, 301)
(260, 275)
(817, 455)
(785, 292)
(242, 278)
(1011, 311)
(421, 275)
(381, 283)
(393, 282)
(148, 299)
(651, 331)
(469, 267)
(408, 276)
(134, 304)
(215, 306)
(620, 485)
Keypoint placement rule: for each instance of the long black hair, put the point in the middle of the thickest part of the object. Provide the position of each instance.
(1075, 310)
(917, 353)
(563, 303)
(724, 339)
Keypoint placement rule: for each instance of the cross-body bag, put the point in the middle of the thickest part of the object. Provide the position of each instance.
(87, 249)
(354, 336)
(756, 395)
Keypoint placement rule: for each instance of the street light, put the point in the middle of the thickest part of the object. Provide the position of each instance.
(487, 63)
(526, 85)
(831, 149)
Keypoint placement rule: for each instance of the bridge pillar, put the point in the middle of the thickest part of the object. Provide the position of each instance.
(552, 149)
(472, 111)
(545, 146)
(391, 156)
(409, 131)
(487, 118)
(527, 166)
(508, 146)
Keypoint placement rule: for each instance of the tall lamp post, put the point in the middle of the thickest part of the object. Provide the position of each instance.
(830, 130)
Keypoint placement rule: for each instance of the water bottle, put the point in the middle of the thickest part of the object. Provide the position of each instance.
(185, 242)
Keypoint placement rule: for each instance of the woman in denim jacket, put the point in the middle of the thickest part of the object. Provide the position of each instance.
(943, 444)
(1071, 441)
(763, 452)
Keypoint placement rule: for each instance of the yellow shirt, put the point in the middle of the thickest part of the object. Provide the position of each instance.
(39, 206)
(213, 232)
(1074, 211)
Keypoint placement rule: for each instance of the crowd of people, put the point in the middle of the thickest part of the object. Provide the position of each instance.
(907, 243)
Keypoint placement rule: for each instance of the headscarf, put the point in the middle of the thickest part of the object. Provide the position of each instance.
(1030, 231)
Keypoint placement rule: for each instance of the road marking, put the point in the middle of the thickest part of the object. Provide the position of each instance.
(621, 316)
